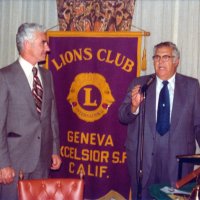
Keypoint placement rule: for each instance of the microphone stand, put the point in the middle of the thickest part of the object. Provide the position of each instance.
(141, 146)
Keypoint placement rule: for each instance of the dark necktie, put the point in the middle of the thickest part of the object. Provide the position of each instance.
(163, 114)
(37, 90)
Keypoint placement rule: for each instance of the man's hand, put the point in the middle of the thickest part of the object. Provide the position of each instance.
(7, 175)
(56, 162)
(136, 98)
(1, 177)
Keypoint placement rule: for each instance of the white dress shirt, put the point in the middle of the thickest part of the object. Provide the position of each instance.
(27, 68)
(171, 86)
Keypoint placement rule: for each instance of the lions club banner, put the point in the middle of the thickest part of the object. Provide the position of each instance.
(92, 72)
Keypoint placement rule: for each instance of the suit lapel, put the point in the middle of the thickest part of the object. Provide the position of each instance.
(178, 102)
(44, 85)
(150, 118)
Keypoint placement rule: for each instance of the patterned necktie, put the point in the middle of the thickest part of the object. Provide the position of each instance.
(163, 114)
(37, 90)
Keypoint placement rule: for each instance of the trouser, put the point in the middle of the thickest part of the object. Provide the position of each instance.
(9, 191)
(159, 170)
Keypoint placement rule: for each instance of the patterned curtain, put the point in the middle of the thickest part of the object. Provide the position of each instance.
(95, 15)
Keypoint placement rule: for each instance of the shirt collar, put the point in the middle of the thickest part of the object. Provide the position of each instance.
(26, 66)
(171, 81)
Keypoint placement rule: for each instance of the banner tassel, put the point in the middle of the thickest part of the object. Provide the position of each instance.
(144, 57)
(144, 60)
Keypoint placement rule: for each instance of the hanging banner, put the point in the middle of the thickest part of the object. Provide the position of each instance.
(98, 15)
(92, 72)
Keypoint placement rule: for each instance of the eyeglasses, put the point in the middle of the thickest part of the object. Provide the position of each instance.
(164, 58)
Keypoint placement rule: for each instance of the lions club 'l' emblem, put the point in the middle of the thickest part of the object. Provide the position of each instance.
(90, 96)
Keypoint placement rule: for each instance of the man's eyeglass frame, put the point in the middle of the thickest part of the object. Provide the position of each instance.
(164, 58)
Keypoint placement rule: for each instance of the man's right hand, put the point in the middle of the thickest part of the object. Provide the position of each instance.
(136, 98)
(7, 175)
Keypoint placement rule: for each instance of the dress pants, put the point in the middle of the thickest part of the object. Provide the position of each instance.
(9, 191)
(159, 169)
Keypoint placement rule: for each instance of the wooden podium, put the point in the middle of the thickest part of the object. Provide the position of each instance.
(187, 159)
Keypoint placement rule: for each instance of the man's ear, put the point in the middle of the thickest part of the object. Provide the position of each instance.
(176, 61)
(26, 44)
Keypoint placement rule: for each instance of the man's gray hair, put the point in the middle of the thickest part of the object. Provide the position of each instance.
(175, 51)
(27, 31)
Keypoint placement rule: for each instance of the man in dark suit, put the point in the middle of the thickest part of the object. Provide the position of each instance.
(29, 135)
(160, 147)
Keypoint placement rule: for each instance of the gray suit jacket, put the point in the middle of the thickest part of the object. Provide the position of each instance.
(185, 124)
(24, 135)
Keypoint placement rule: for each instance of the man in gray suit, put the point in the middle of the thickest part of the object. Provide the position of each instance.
(29, 136)
(159, 164)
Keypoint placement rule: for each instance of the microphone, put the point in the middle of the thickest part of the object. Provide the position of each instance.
(148, 83)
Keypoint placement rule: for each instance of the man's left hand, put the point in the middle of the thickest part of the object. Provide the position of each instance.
(56, 162)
